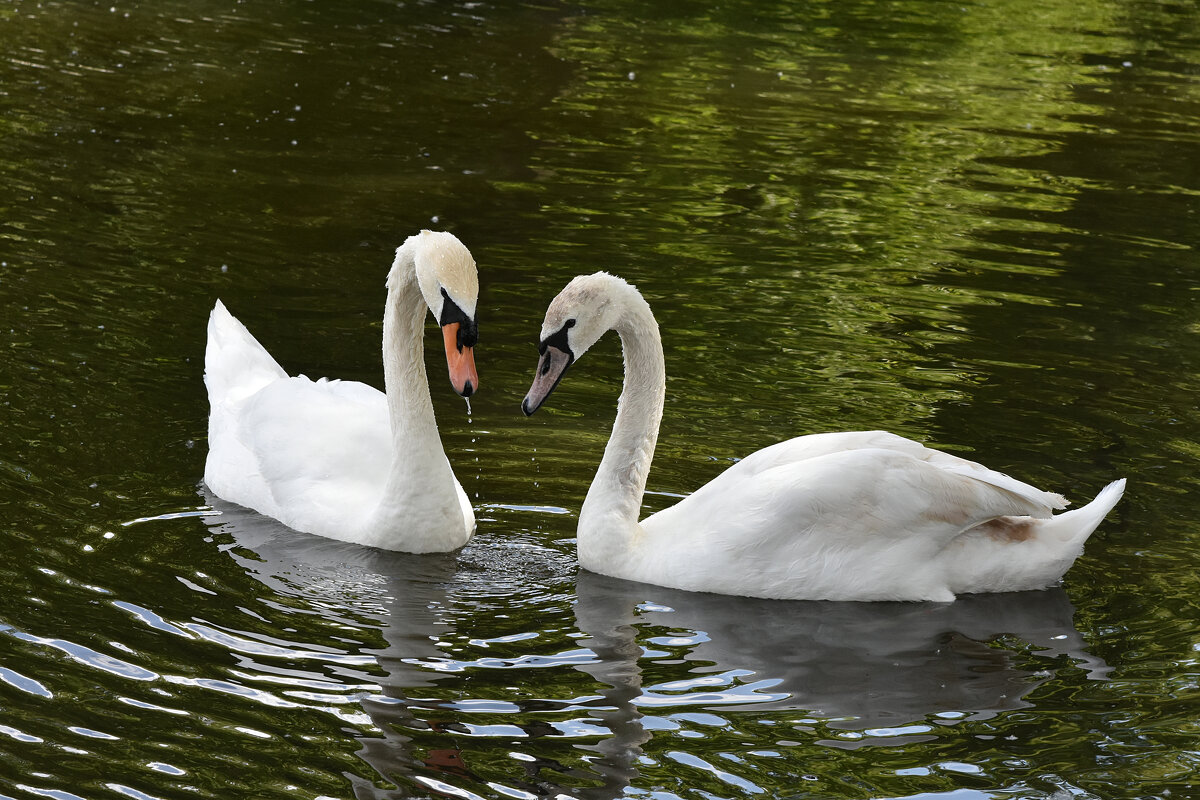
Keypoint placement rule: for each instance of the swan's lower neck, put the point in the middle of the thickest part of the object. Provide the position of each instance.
(608, 519)
(420, 494)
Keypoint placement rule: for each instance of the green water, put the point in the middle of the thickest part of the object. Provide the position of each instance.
(974, 224)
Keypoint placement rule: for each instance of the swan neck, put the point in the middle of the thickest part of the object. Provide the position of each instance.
(420, 495)
(615, 499)
(406, 384)
(421, 499)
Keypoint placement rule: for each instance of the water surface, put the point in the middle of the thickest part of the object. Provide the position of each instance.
(972, 224)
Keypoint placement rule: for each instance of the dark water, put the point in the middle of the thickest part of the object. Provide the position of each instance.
(971, 223)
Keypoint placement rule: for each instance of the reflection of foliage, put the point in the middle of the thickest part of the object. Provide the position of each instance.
(808, 174)
(967, 222)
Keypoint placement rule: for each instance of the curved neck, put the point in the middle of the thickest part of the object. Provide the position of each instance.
(410, 407)
(419, 499)
(610, 512)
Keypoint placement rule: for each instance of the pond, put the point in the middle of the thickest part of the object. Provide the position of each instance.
(971, 223)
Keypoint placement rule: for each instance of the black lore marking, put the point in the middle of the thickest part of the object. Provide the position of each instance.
(559, 340)
(468, 329)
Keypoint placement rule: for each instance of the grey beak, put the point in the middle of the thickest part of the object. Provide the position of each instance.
(550, 369)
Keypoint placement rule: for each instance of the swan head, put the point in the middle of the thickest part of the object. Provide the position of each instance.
(588, 307)
(449, 283)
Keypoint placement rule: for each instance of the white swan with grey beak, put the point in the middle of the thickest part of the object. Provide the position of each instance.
(339, 458)
(832, 516)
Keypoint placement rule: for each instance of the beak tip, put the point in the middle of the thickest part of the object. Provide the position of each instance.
(468, 389)
(526, 409)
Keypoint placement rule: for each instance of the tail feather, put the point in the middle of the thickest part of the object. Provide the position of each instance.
(1076, 526)
(1022, 553)
(235, 364)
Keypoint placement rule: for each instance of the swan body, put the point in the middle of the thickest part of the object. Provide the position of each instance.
(339, 458)
(865, 515)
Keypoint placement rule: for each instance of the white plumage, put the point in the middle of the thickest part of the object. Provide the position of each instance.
(834, 516)
(340, 458)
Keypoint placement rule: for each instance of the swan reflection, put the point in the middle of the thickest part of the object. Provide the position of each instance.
(552, 711)
(858, 666)
(406, 617)
(402, 598)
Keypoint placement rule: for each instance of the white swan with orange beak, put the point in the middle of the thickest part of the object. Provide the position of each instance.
(339, 458)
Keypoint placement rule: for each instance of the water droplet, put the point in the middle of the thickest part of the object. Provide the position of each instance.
(468, 408)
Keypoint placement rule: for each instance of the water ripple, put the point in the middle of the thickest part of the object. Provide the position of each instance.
(88, 657)
(24, 683)
(917, 216)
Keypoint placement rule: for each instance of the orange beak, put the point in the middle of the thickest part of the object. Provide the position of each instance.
(461, 361)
